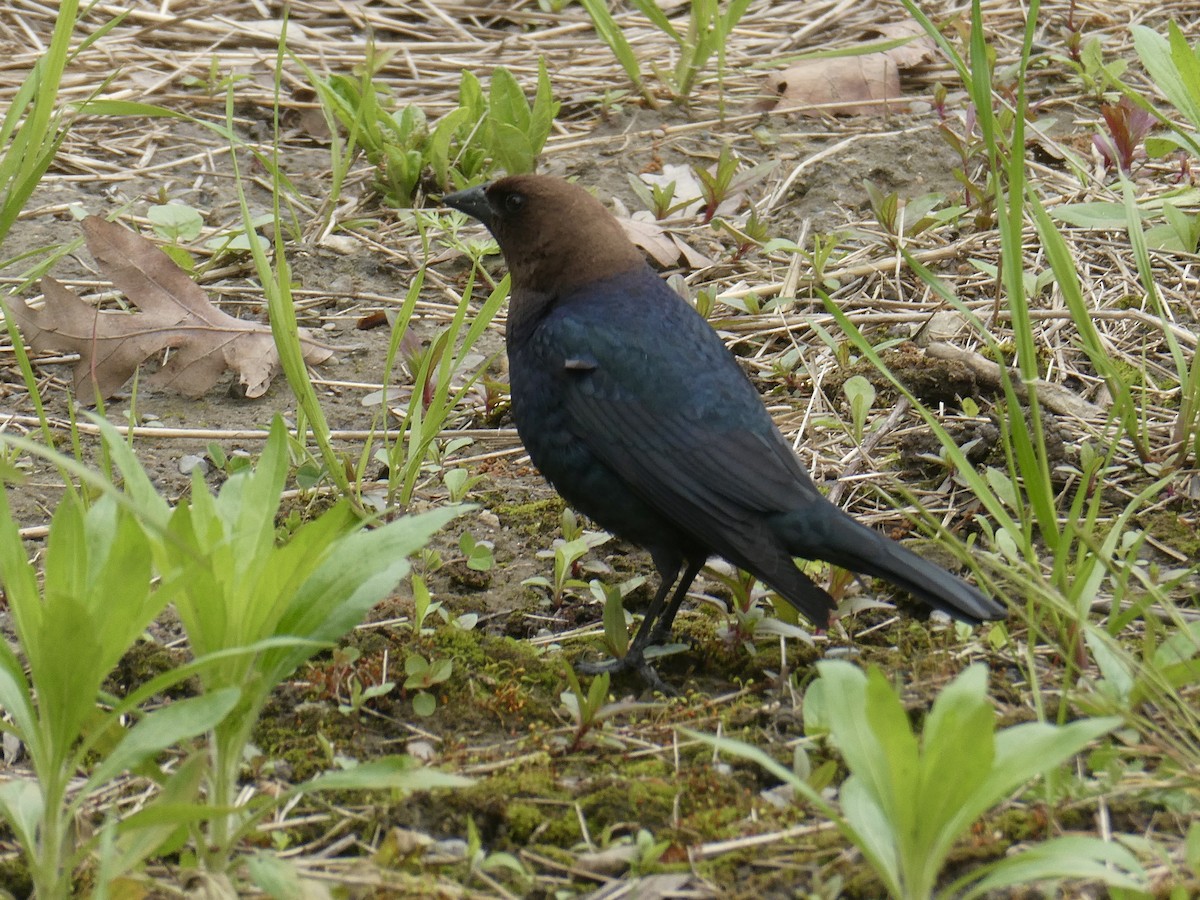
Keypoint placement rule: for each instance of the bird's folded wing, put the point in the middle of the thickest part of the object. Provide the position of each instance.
(688, 464)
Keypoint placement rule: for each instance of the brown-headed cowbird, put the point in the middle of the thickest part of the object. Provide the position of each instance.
(641, 418)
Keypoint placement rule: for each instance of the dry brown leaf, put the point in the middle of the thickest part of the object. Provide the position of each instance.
(651, 238)
(921, 49)
(851, 85)
(176, 315)
(666, 249)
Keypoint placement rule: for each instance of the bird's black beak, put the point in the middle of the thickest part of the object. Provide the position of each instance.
(474, 202)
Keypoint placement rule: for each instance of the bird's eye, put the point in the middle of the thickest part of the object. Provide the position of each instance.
(514, 202)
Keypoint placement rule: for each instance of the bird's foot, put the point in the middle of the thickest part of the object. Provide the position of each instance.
(633, 661)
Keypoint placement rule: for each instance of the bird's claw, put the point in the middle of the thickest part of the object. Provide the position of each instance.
(631, 662)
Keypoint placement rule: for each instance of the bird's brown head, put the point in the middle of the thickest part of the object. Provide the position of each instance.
(554, 235)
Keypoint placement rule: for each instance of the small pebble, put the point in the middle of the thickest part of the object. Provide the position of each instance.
(455, 848)
(192, 461)
(421, 750)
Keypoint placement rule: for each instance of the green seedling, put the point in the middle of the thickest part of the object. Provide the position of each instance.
(518, 130)
(616, 620)
(424, 606)
(236, 587)
(750, 235)
(861, 394)
(360, 695)
(572, 527)
(589, 711)
(715, 185)
(1085, 57)
(423, 674)
(908, 218)
(724, 180)
(500, 130)
(566, 556)
(706, 301)
(458, 482)
(98, 595)
(478, 554)
(230, 464)
(439, 392)
(176, 223)
(658, 198)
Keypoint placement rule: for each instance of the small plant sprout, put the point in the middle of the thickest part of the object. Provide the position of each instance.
(458, 483)
(1126, 127)
(707, 34)
(478, 554)
(1085, 57)
(716, 184)
(360, 694)
(648, 852)
(518, 129)
(747, 236)
(588, 710)
(567, 556)
(424, 606)
(176, 223)
(861, 394)
(908, 218)
(658, 198)
(482, 133)
(423, 674)
(723, 182)
(616, 620)
(572, 527)
(229, 463)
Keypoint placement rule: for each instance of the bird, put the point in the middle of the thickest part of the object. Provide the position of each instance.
(635, 411)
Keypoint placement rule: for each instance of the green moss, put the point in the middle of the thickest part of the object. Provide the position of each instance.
(14, 877)
(1168, 527)
(537, 517)
(648, 802)
(299, 734)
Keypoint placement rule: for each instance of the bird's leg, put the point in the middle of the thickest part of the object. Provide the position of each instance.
(662, 627)
(634, 658)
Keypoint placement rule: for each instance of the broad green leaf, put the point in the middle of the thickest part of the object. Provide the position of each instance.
(175, 221)
(178, 721)
(511, 148)
(957, 749)
(875, 835)
(360, 571)
(1097, 214)
(277, 877)
(507, 103)
(424, 704)
(544, 110)
(1025, 751)
(896, 772)
(845, 691)
(22, 806)
(1084, 858)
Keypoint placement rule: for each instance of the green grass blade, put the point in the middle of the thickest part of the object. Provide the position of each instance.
(610, 32)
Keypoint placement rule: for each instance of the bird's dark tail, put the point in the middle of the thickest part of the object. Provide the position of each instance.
(828, 534)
